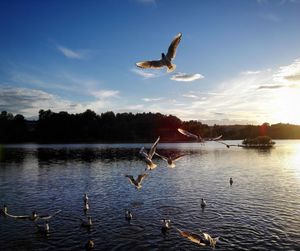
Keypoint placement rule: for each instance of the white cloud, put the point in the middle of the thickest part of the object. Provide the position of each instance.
(151, 99)
(144, 73)
(289, 72)
(184, 77)
(71, 53)
(250, 72)
(106, 94)
(190, 96)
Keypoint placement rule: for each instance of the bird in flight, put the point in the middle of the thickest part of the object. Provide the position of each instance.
(148, 156)
(197, 137)
(138, 181)
(165, 60)
(170, 159)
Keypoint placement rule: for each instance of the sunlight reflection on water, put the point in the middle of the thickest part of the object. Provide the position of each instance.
(260, 211)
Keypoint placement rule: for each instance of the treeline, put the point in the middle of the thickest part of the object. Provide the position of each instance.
(62, 127)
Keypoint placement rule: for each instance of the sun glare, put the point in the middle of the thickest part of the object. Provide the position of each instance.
(286, 103)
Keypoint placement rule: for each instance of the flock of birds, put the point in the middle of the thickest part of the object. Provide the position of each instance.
(204, 239)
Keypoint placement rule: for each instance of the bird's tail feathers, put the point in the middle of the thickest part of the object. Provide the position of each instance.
(171, 67)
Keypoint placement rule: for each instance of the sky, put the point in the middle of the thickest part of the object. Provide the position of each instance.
(238, 62)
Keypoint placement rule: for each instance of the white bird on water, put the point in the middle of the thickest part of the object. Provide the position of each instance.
(148, 156)
(165, 60)
(85, 198)
(87, 223)
(165, 225)
(44, 229)
(203, 203)
(128, 215)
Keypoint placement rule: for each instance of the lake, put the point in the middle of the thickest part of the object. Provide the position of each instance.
(260, 211)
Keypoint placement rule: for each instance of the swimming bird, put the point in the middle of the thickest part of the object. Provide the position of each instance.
(170, 160)
(86, 207)
(203, 203)
(85, 198)
(89, 245)
(231, 181)
(148, 156)
(128, 215)
(165, 60)
(4, 210)
(165, 225)
(210, 240)
(138, 181)
(87, 223)
(192, 237)
(44, 229)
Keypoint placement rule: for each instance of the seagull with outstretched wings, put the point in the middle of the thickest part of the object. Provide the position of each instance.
(165, 60)
(138, 181)
(148, 156)
(170, 159)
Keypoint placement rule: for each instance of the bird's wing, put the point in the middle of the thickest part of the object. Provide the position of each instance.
(143, 153)
(131, 179)
(153, 148)
(150, 64)
(214, 139)
(188, 134)
(163, 157)
(178, 157)
(141, 177)
(228, 146)
(191, 236)
(47, 217)
(21, 217)
(173, 46)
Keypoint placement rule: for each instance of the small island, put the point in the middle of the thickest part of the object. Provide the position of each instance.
(258, 142)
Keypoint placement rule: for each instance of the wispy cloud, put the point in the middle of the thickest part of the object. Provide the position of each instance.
(289, 72)
(151, 99)
(144, 73)
(71, 53)
(106, 94)
(250, 72)
(190, 96)
(270, 17)
(184, 77)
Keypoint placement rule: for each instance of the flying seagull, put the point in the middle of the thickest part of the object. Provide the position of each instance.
(138, 181)
(148, 156)
(198, 137)
(165, 59)
(170, 160)
(33, 217)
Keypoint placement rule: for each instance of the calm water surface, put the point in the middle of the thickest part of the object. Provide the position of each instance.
(261, 211)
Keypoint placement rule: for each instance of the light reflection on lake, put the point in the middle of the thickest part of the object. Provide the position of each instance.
(259, 212)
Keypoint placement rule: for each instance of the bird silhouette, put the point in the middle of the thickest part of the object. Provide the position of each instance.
(165, 60)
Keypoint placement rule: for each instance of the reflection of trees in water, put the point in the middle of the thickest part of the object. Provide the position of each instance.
(86, 154)
(94, 154)
(12, 155)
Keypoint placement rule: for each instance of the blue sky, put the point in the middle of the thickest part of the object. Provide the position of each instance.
(237, 62)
